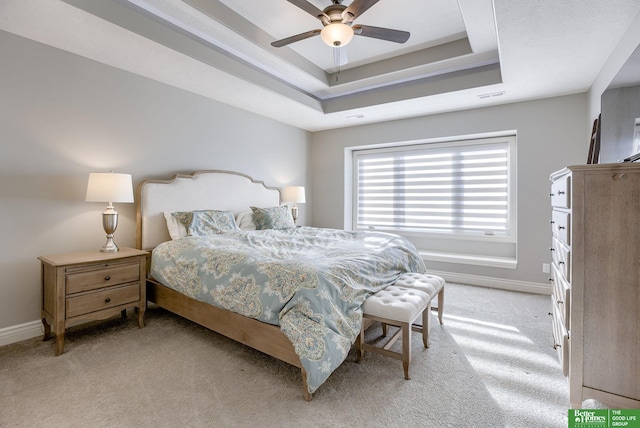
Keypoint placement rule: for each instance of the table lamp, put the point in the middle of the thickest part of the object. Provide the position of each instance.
(109, 187)
(296, 195)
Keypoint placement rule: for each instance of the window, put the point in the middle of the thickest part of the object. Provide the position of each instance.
(455, 188)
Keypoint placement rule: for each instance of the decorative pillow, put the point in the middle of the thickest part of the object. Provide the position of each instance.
(176, 228)
(208, 222)
(273, 218)
(244, 220)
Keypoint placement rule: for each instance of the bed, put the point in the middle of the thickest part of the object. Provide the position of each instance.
(291, 292)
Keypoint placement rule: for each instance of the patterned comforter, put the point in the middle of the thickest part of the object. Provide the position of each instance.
(309, 281)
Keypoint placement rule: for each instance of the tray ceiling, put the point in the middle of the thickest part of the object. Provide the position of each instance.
(461, 54)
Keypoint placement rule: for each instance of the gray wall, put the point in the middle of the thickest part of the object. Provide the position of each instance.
(551, 133)
(63, 116)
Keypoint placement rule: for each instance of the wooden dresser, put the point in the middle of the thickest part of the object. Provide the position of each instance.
(91, 285)
(596, 281)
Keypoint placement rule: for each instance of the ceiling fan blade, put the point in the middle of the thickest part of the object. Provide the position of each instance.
(283, 42)
(387, 34)
(307, 7)
(357, 8)
(340, 56)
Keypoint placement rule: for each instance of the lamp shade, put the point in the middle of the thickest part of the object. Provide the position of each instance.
(294, 194)
(109, 187)
(336, 35)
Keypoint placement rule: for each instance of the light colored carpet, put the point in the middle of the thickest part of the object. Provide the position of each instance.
(490, 365)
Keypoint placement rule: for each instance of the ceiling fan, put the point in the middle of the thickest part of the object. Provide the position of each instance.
(337, 21)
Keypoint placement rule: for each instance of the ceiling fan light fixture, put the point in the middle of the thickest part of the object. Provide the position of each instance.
(336, 35)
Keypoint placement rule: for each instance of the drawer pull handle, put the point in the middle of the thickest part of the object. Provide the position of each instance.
(556, 346)
(550, 280)
(560, 263)
(107, 278)
(107, 300)
(560, 192)
(622, 176)
(552, 249)
(551, 221)
(560, 227)
(551, 194)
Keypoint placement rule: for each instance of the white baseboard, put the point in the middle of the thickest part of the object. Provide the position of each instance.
(20, 332)
(31, 329)
(504, 284)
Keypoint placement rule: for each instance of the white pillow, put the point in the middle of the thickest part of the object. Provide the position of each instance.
(244, 220)
(176, 229)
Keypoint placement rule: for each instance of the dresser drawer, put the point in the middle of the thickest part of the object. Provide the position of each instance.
(561, 256)
(561, 293)
(560, 340)
(107, 298)
(561, 225)
(99, 276)
(560, 192)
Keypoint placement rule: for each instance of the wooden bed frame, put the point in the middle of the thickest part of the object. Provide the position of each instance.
(220, 190)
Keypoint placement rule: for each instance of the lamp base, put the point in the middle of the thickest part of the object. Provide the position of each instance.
(110, 246)
(110, 223)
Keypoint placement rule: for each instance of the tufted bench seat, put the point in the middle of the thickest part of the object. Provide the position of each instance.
(430, 284)
(400, 305)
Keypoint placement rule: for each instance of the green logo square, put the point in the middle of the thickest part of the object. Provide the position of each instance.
(604, 418)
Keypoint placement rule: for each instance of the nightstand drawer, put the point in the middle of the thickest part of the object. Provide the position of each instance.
(104, 276)
(108, 298)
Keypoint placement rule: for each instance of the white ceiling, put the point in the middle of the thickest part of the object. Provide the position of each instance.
(461, 54)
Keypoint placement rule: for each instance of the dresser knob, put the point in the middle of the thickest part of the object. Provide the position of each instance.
(107, 300)
(552, 249)
(107, 278)
(551, 194)
(560, 227)
(551, 221)
(560, 192)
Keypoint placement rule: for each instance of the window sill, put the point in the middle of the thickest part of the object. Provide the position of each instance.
(470, 259)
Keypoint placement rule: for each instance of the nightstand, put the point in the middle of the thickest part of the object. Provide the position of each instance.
(90, 285)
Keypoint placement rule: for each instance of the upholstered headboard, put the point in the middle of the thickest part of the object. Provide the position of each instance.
(201, 190)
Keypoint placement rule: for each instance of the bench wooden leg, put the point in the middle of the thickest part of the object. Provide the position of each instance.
(406, 348)
(426, 324)
(440, 304)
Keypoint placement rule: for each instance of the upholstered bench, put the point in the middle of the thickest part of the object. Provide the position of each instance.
(432, 285)
(401, 304)
(398, 306)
